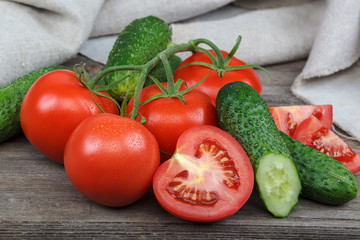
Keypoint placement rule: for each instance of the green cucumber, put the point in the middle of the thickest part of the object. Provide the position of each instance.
(243, 113)
(11, 97)
(323, 179)
(137, 44)
(158, 71)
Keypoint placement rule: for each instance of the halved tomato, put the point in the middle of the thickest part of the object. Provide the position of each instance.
(313, 133)
(208, 178)
(287, 118)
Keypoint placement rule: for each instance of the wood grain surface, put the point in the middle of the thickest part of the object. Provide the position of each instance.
(37, 200)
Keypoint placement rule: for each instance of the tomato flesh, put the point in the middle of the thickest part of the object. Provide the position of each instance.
(208, 178)
(313, 133)
(287, 118)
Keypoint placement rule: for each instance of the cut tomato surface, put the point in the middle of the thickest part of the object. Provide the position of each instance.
(208, 178)
(313, 133)
(287, 118)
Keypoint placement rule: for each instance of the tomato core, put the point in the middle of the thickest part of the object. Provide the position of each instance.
(211, 166)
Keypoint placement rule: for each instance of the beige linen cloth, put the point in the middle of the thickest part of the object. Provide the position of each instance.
(35, 33)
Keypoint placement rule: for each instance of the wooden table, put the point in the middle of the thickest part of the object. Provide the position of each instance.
(38, 201)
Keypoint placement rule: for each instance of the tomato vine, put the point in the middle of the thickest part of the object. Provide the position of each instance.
(219, 64)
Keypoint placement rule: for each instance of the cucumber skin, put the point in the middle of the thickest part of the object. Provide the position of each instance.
(11, 97)
(138, 43)
(323, 178)
(236, 103)
(243, 113)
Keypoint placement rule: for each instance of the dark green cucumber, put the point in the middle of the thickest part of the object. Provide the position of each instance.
(243, 113)
(158, 71)
(323, 179)
(137, 44)
(11, 97)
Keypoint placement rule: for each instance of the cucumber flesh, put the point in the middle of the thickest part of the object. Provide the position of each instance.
(277, 182)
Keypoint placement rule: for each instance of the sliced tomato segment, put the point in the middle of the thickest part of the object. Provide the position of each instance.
(313, 133)
(287, 118)
(208, 178)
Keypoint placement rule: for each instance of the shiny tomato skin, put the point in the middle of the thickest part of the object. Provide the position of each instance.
(192, 74)
(54, 105)
(287, 118)
(207, 160)
(111, 159)
(313, 133)
(168, 118)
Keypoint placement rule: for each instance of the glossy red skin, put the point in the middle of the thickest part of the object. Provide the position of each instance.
(230, 199)
(287, 118)
(313, 133)
(211, 85)
(111, 159)
(54, 105)
(168, 118)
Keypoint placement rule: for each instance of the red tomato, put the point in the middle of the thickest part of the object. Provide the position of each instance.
(209, 177)
(168, 118)
(313, 133)
(54, 105)
(211, 85)
(111, 159)
(287, 118)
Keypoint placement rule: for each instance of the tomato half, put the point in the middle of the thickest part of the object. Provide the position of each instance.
(192, 74)
(313, 133)
(111, 159)
(209, 177)
(168, 118)
(287, 118)
(54, 105)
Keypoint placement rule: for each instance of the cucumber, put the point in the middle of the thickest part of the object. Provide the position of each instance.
(323, 179)
(11, 97)
(158, 71)
(243, 113)
(138, 43)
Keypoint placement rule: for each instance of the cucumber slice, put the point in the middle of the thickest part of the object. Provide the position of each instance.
(277, 180)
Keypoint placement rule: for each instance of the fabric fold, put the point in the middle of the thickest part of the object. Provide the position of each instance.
(36, 34)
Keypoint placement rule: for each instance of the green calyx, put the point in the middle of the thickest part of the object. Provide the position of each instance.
(84, 79)
(221, 64)
(173, 89)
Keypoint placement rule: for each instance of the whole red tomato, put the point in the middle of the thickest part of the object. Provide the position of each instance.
(54, 105)
(192, 74)
(208, 178)
(111, 159)
(168, 118)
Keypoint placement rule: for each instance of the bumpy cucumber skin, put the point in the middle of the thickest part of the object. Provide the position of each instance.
(243, 113)
(138, 43)
(236, 106)
(158, 71)
(323, 179)
(11, 97)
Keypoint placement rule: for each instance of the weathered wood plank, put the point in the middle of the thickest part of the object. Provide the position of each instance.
(38, 201)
